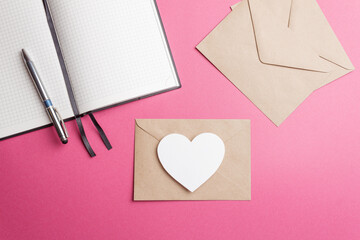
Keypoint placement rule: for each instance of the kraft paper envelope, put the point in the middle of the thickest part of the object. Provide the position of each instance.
(277, 52)
(230, 182)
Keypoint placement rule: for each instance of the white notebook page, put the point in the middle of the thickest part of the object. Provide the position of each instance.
(23, 24)
(114, 50)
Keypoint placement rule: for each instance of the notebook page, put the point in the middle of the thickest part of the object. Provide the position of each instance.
(23, 24)
(114, 50)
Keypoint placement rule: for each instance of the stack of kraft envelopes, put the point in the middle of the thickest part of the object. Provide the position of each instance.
(277, 52)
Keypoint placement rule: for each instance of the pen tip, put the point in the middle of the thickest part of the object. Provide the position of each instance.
(24, 54)
(65, 141)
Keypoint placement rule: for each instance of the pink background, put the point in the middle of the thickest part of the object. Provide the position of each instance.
(305, 174)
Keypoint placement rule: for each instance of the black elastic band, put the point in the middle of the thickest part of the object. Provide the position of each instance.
(71, 93)
(101, 132)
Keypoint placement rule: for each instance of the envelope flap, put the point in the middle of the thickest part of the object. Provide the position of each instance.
(225, 129)
(308, 20)
(278, 45)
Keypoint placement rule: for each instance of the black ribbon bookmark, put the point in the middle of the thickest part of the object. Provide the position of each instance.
(83, 135)
(84, 138)
(71, 93)
(101, 132)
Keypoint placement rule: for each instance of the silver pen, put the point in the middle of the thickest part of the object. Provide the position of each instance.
(53, 114)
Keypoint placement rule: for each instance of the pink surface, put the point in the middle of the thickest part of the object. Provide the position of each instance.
(305, 174)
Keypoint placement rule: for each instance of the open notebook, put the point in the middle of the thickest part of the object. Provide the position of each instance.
(114, 51)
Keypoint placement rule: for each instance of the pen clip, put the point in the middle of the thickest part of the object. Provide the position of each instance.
(62, 122)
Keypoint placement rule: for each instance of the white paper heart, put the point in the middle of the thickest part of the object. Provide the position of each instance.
(191, 163)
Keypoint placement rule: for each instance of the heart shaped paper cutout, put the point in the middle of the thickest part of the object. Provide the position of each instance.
(191, 163)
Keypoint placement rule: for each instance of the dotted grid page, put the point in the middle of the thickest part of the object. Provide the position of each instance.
(114, 50)
(23, 24)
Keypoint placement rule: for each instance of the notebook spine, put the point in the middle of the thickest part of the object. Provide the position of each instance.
(71, 92)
